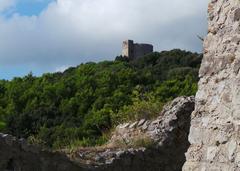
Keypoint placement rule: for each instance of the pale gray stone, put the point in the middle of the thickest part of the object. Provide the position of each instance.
(236, 14)
(124, 125)
(145, 125)
(133, 125)
(232, 146)
(211, 153)
(141, 122)
(218, 96)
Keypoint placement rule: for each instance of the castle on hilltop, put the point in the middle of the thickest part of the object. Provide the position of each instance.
(133, 50)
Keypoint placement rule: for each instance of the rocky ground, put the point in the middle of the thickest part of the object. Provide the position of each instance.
(157, 144)
(143, 145)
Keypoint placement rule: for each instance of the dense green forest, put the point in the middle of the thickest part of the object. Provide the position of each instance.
(81, 105)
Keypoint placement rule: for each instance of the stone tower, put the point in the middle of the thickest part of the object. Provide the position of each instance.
(133, 50)
(215, 126)
(128, 48)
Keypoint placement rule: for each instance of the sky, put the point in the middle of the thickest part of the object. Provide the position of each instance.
(42, 36)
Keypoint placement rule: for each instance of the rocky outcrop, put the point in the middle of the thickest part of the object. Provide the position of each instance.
(215, 125)
(17, 155)
(145, 145)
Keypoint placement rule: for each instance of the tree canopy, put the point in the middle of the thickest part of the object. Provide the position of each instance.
(82, 104)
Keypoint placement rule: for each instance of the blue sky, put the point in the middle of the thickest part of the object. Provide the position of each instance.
(48, 36)
(31, 7)
(23, 8)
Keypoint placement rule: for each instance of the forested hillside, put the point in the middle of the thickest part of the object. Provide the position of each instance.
(81, 105)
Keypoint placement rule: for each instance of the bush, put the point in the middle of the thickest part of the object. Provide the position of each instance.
(145, 107)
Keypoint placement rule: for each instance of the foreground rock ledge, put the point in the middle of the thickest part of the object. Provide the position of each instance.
(168, 133)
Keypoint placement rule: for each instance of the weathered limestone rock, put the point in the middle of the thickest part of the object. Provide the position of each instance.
(215, 125)
(168, 135)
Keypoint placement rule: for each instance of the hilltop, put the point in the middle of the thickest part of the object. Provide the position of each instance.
(81, 106)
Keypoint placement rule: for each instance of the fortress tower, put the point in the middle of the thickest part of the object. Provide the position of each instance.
(133, 50)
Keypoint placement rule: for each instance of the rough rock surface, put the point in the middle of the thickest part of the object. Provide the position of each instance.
(168, 135)
(215, 125)
(169, 141)
(17, 155)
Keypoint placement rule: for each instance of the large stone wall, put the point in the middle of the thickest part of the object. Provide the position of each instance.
(215, 125)
(141, 50)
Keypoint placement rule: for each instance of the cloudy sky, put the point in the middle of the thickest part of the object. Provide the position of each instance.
(50, 35)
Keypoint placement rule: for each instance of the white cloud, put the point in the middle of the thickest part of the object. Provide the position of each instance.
(5, 4)
(68, 32)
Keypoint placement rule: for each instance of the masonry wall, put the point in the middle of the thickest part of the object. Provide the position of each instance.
(142, 49)
(215, 126)
(134, 50)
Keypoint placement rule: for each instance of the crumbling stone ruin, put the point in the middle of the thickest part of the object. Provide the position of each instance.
(214, 136)
(215, 125)
(18, 155)
(133, 50)
(169, 141)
